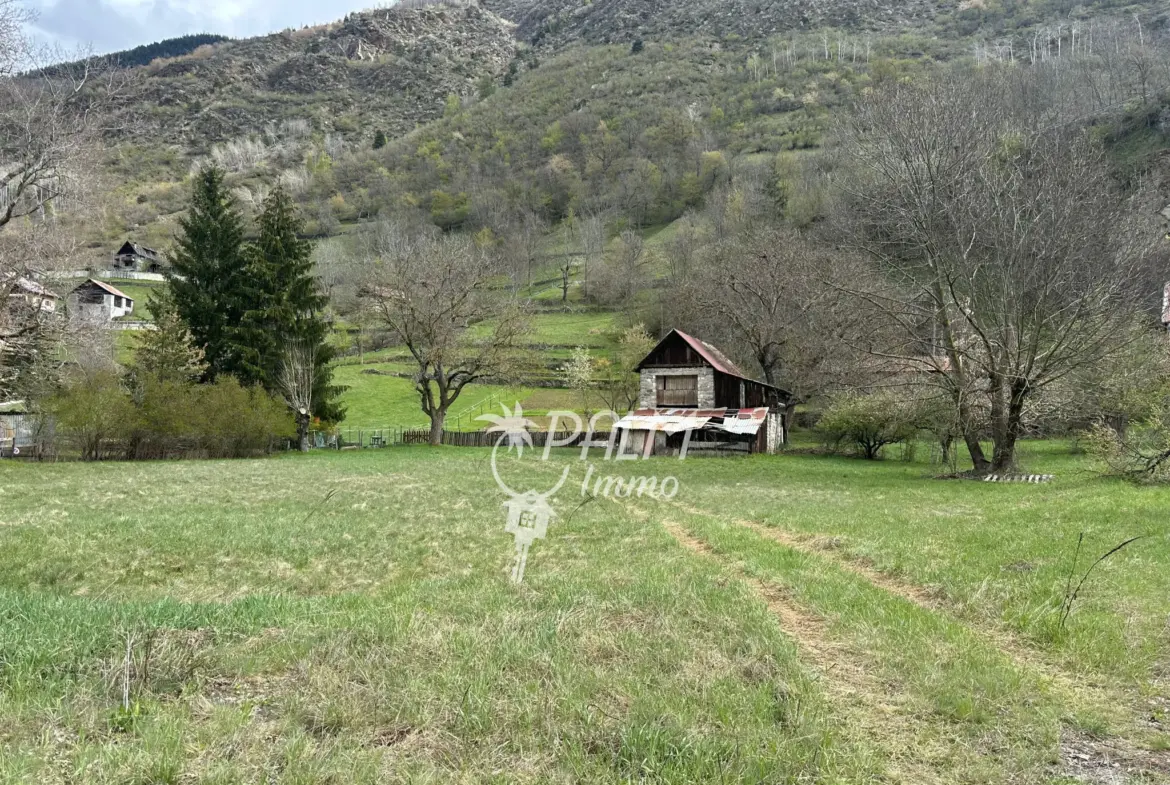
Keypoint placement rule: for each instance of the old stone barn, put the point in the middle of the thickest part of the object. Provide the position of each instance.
(687, 385)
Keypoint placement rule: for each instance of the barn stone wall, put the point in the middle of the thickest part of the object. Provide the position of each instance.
(648, 388)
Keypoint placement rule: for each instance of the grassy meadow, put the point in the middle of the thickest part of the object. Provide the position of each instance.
(347, 617)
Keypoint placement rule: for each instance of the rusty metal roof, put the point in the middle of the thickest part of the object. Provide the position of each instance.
(716, 358)
(739, 421)
(666, 420)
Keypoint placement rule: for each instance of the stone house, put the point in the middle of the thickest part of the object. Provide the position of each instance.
(686, 384)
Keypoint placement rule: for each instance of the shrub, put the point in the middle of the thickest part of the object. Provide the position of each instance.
(91, 413)
(237, 421)
(1140, 453)
(101, 418)
(867, 423)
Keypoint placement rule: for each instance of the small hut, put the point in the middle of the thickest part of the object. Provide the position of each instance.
(100, 302)
(691, 392)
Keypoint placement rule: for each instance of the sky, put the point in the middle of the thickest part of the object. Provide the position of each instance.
(112, 25)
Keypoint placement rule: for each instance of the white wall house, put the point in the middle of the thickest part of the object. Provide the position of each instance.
(100, 302)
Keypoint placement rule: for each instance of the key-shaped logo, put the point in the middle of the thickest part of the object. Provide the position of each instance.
(528, 517)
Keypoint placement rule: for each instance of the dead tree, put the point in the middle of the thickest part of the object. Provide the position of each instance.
(47, 130)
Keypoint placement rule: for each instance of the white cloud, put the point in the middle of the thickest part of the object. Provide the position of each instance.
(111, 25)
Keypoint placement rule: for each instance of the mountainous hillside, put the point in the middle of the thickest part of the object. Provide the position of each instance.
(390, 69)
(607, 21)
(560, 22)
(477, 127)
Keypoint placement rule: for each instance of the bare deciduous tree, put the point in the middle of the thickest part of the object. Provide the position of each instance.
(764, 293)
(298, 377)
(1015, 257)
(432, 290)
(47, 120)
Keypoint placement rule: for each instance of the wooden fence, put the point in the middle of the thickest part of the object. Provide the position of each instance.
(367, 438)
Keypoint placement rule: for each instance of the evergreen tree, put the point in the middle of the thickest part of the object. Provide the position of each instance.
(379, 139)
(207, 268)
(284, 307)
(168, 352)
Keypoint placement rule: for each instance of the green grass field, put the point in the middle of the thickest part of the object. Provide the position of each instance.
(347, 617)
(376, 399)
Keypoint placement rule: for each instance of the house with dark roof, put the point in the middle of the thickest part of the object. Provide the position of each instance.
(138, 258)
(688, 385)
(98, 301)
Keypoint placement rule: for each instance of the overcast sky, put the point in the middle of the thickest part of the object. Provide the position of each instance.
(113, 25)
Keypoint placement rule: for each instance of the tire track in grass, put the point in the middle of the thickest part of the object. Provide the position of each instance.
(1007, 643)
(852, 689)
(1082, 757)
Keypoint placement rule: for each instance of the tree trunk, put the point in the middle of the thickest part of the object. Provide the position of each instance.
(789, 421)
(438, 417)
(1008, 431)
(971, 436)
(303, 432)
(565, 285)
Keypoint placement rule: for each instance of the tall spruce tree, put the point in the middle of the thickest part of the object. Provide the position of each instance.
(284, 306)
(207, 271)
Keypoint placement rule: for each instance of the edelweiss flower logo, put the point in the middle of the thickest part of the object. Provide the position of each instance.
(514, 425)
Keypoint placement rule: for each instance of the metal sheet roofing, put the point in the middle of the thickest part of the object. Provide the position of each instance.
(738, 421)
(662, 420)
(716, 358)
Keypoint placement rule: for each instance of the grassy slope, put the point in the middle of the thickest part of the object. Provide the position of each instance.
(372, 635)
(376, 400)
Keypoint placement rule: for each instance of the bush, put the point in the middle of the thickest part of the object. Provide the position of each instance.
(1140, 453)
(239, 421)
(92, 413)
(99, 417)
(867, 423)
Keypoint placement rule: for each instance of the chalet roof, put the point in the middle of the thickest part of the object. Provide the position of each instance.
(106, 288)
(718, 360)
(713, 356)
(139, 250)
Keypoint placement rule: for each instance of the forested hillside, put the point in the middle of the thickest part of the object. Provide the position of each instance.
(451, 110)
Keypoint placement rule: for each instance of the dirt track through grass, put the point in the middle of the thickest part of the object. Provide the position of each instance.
(868, 710)
(1085, 757)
